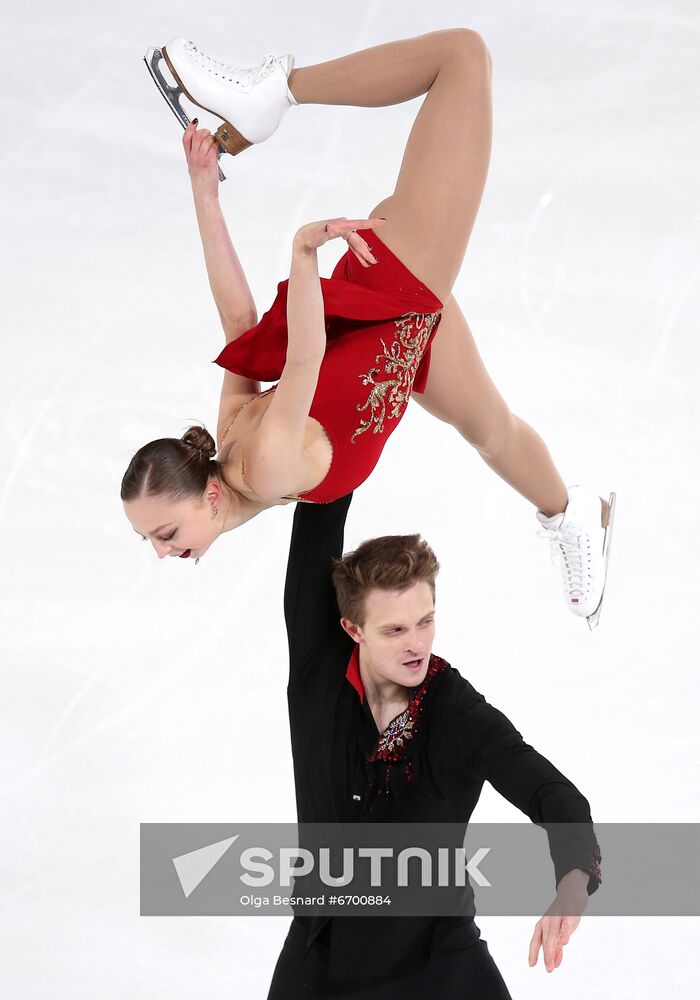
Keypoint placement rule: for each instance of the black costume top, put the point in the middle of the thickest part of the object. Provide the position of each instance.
(341, 774)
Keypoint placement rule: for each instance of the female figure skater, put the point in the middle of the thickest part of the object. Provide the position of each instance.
(348, 352)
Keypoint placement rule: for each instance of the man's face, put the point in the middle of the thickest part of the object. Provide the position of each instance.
(397, 636)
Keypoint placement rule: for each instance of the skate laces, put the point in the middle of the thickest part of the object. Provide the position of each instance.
(259, 72)
(567, 549)
(228, 73)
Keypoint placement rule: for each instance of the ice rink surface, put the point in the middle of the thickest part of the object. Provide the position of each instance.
(135, 690)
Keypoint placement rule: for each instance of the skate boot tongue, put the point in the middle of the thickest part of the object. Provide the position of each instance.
(552, 522)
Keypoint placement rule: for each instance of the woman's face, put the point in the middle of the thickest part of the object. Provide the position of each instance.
(180, 528)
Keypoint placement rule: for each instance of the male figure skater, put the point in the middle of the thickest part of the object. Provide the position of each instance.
(385, 731)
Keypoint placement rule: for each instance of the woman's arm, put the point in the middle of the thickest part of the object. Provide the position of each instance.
(226, 277)
(275, 462)
(275, 459)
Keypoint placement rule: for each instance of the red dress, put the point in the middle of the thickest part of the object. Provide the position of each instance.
(380, 322)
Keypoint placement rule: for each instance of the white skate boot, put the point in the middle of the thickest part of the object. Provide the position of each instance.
(580, 544)
(251, 102)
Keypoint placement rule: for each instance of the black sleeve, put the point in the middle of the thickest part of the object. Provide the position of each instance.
(497, 753)
(310, 608)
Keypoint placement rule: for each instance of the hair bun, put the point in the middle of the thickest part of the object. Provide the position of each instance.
(201, 440)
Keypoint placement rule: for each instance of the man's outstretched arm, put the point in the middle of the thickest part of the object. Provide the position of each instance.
(499, 754)
(310, 608)
(494, 750)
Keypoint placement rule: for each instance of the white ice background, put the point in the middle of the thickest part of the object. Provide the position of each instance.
(135, 690)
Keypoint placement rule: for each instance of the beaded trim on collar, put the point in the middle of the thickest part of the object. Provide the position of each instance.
(392, 744)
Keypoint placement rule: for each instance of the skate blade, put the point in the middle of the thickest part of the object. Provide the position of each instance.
(594, 618)
(171, 94)
(228, 137)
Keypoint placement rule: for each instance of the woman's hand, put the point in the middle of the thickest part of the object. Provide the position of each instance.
(202, 152)
(310, 237)
(560, 921)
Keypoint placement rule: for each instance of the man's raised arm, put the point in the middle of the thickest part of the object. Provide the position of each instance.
(310, 607)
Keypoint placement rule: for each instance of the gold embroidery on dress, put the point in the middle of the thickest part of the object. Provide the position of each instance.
(387, 399)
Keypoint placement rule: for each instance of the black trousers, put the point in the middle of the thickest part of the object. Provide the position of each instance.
(451, 974)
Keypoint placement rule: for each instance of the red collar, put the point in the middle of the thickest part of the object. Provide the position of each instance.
(353, 672)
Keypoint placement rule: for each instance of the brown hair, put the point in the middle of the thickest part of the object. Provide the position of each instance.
(392, 562)
(172, 468)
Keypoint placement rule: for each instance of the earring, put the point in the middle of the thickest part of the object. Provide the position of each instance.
(214, 511)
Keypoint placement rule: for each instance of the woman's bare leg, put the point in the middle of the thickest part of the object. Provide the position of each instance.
(460, 392)
(430, 217)
(432, 210)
